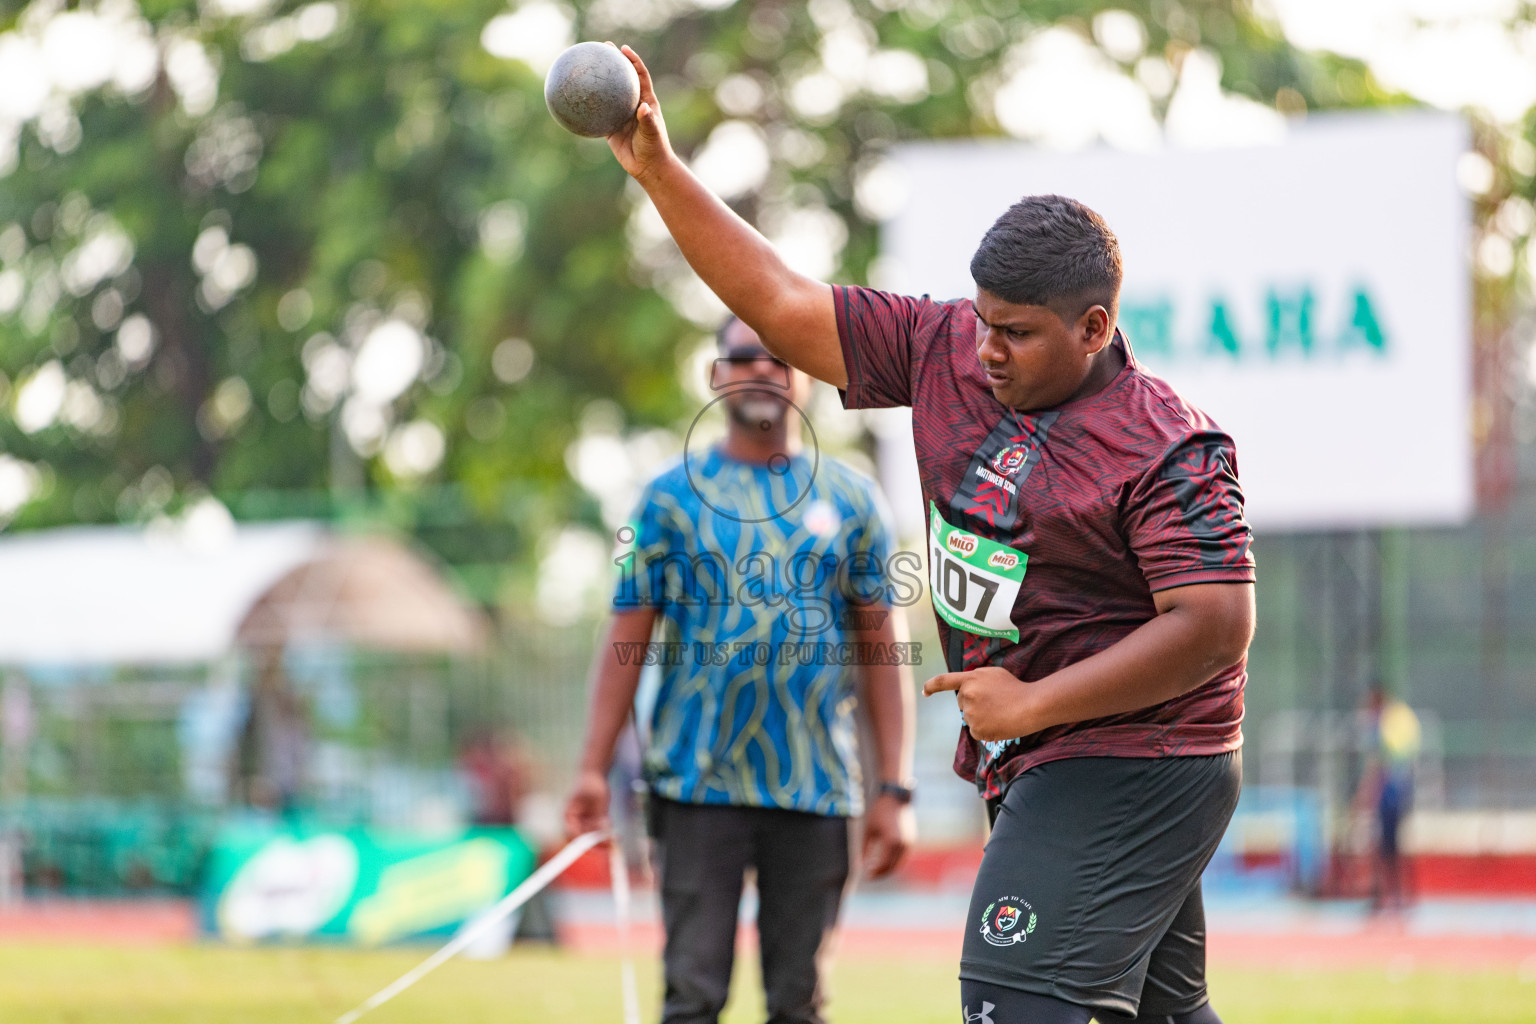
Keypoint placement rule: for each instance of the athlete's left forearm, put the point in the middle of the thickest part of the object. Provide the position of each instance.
(1199, 631)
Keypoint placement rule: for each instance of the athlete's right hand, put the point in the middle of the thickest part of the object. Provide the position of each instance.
(587, 809)
(642, 146)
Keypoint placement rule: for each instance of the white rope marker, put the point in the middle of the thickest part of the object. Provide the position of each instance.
(619, 872)
(486, 921)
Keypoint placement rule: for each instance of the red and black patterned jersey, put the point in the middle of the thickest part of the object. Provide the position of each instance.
(1112, 497)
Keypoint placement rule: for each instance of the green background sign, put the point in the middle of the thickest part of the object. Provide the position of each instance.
(269, 883)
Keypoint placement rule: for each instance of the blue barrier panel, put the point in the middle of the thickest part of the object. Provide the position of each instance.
(1274, 844)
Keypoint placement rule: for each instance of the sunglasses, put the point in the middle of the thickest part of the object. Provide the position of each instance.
(721, 368)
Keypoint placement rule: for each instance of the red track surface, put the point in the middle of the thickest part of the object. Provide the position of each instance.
(1372, 944)
(137, 922)
(1486, 875)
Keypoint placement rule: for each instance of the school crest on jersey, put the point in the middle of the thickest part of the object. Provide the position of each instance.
(989, 491)
(1010, 460)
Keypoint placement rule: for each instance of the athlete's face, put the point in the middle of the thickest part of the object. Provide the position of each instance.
(1033, 358)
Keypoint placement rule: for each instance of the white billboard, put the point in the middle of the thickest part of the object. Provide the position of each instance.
(1312, 296)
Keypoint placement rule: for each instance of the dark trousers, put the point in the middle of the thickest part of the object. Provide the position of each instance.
(702, 855)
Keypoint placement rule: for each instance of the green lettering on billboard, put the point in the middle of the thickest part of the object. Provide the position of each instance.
(1287, 322)
(1222, 338)
(1150, 327)
(1290, 321)
(1364, 326)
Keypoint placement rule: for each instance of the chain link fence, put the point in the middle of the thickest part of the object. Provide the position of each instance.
(114, 781)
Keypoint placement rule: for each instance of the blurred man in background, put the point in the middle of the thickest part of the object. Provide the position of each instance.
(496, 772)
(1386, 789)
(273, 751)
(763, 569)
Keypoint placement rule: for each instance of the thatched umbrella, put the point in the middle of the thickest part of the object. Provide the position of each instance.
(371, 593)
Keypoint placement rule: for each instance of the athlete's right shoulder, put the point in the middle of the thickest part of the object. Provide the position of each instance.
(892, 341)
(877, 307)
(924, 303)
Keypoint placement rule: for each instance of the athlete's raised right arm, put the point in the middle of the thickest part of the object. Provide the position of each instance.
(792, 313)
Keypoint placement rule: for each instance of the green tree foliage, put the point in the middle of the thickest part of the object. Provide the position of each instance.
(389, 172)
(342, 248)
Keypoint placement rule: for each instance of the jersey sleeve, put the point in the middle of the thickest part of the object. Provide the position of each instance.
(883, 337)
(1185, 517)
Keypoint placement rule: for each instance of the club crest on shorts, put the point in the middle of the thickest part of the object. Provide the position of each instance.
(1007, 921)
(1011, 459)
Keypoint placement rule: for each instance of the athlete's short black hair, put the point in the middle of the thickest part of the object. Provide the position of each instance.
(1050, 251)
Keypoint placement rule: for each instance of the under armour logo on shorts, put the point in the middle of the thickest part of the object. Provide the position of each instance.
(984, 1017)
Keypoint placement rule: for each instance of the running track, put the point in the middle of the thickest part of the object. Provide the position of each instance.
(1262, 933)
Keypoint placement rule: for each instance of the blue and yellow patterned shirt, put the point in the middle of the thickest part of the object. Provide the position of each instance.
(757, 574)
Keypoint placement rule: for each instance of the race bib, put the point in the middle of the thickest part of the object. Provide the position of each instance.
(974, 580)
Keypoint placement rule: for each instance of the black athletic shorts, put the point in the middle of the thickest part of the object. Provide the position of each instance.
(1089, 890)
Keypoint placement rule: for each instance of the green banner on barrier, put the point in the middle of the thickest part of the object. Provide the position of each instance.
(360, 886)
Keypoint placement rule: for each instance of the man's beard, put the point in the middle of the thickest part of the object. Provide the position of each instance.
(756, 412)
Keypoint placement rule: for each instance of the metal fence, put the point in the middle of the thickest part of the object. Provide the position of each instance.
(1445, 618)
(112, 781)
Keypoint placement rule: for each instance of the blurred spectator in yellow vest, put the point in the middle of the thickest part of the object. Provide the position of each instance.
(1387, 786)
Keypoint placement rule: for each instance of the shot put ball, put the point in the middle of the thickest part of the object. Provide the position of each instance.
(592, 90)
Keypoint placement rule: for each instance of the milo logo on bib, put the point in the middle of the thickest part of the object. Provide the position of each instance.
(961, 544)
(975, 581)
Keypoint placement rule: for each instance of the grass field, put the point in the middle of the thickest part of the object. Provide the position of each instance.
(57, 984)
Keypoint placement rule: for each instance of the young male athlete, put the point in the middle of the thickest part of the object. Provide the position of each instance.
(768, 571)
(1090, 565)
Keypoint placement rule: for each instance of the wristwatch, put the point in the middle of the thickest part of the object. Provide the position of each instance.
(901, 791)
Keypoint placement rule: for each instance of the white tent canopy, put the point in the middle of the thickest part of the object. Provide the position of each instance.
(120, 595)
